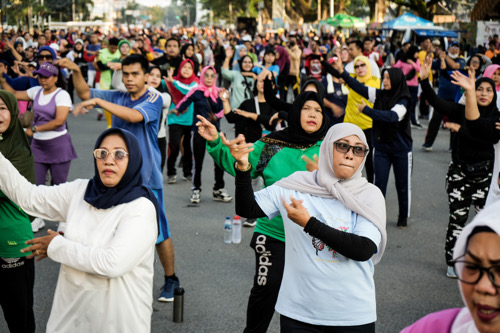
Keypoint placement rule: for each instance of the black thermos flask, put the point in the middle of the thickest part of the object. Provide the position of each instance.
(178, 305)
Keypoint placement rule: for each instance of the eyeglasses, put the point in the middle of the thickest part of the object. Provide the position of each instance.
(45, 57)
(343, 147)
(471, 273)
(210, 76)
(360, 65)
(117, 154)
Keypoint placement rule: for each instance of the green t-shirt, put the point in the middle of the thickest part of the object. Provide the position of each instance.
(15, 229)
(272, 160)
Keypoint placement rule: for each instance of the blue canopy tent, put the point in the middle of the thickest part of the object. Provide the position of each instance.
(407, 21)
(436, 33)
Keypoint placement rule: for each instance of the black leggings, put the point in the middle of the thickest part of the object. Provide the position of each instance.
(289, 325)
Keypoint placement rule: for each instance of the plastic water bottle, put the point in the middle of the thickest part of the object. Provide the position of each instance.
(228, 233)
(236, 230)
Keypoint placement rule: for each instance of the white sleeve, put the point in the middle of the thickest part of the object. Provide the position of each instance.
(33, 91)
(372, 94)
(268, 199)
(400, 111)
(63, 99)
(134, 237)
(117, 82)
(375, 69)
(48, 202)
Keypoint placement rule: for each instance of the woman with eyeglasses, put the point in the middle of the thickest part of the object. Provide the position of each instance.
(242, 79)
(334, 223)
(470, 170)
(107, 251)
(274, 156)
(363, 74)
(476, 260)
(391, 132)
(206, 101)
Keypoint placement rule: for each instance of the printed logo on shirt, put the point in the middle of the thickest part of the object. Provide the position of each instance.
(152, 96)
(12, 243)
(319, 245)
(264, 260)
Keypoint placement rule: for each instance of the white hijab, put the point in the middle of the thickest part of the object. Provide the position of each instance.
(355, 193)
(488, 217)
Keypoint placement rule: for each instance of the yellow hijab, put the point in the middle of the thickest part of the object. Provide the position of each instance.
(366, 61)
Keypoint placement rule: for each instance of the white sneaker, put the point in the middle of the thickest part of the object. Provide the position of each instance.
(195, 196)
(61, 227)
(37, 224)
(221, 195)
(450, 272)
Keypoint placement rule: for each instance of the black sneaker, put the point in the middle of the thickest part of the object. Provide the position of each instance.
(402, 222)
(250, 223)
(221, 195)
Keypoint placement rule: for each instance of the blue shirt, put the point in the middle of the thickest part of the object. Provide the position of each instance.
(150, 106)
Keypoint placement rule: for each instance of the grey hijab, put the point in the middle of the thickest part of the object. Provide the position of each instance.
(355, 193)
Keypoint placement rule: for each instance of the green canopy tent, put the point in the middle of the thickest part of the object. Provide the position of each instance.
(344, 21)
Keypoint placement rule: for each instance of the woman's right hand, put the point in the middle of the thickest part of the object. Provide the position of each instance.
(466, 82)
(239, 149)
(206, 129)
(425, 69)
(229, 53)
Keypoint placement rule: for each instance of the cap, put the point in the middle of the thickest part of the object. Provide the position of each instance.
(315, 38)
(33, 63)
(47, 69)
(54, 46)
(436, 42)
(454, 43)
(247, 38)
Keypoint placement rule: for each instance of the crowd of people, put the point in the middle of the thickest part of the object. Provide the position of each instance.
(311, 113)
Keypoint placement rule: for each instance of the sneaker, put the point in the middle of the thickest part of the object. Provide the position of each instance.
(167, 291)
(188, 178)
(221, 195)
(171, 179)
(417, 126)
(100, 115)
(250, 223)
(450, 272)
(402, 222)
(195, 196)
(426, 147)
(37, 224)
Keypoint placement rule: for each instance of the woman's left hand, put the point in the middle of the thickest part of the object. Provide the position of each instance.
(223, 94)
(454, 127)
(84, 107)
(466, 82)
(40, 245)
(296, 211)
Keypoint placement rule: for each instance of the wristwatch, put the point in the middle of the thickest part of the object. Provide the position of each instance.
(33, 129)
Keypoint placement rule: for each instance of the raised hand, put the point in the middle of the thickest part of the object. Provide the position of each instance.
(223, 94)
(206, 129)
(239, 149)
(311, 165)
(84, 107)
(425, 69)
(65, 62)
(466, 82)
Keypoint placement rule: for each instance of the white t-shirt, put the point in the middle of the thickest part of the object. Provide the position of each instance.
(62, 99)
(375, 70)
(320, 286)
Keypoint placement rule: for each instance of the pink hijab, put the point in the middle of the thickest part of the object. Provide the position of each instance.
(213, 91)
(488, 72)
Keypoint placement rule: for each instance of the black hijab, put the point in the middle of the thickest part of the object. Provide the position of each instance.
(294, 133)
(399, 90)
(240, 62)
(130, 186)
(14, 144)
(319, 86)
(492, 107)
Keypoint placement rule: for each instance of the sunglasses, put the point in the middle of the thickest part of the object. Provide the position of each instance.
(360, 65)
(210, 76)
(343, 147)
(44, 57)
(117, 154)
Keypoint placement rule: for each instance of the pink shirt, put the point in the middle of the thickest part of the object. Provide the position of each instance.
(406, 68)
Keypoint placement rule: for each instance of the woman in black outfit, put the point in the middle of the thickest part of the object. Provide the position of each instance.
(470, 170)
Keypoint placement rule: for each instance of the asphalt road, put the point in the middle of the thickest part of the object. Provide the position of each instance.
(410, 279)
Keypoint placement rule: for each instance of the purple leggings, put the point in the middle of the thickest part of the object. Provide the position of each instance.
(59, 172)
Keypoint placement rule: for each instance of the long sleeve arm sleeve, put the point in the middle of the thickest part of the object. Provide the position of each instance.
(245, 202)
(271, 98)
(484, 129)
(393, 115)
(367, 92)
(352, 246)
(445, 107)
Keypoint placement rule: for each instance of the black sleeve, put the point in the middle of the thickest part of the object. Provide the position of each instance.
(271, 98)
(410, 74)
(330, 69)
(355, 85)
(101, 66)
(244, 199)
(443, 106)
(349, 245)
(231, 117)
(283, 115)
